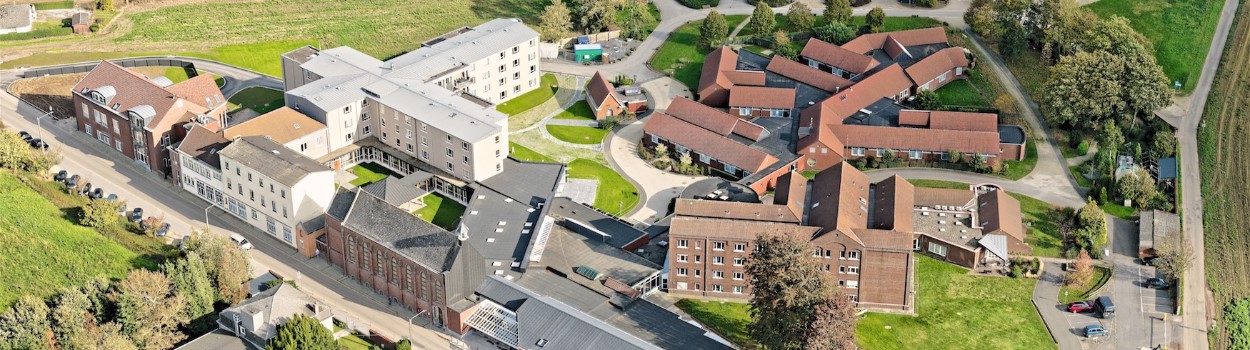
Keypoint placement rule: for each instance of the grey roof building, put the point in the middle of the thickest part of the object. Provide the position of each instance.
(16, 18)
(402, 232)
(526, 320)
(271, 159)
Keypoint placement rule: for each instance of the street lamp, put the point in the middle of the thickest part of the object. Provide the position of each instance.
(207, 226)
(39, 121)
(410, 323)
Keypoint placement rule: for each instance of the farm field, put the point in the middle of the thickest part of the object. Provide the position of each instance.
(1181, 31)
(1223, 134)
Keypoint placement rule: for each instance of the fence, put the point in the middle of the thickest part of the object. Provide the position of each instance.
(125, 62)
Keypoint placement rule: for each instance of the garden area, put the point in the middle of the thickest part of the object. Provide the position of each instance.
(546, 89)
(728, 319)
(956, 310)
(1088, 290)
(580, 110)
(259, 99)
(1181, 31)
(440, 211)
(369, 172)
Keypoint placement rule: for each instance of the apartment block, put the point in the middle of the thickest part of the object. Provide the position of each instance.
(273, 188)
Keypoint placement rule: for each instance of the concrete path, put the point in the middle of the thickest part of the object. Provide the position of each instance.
(1078, 160)
(738, 29)
(655, 186)
(573, 122)
(1046, 298)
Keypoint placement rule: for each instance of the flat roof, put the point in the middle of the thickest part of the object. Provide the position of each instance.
(1013, 134)
(588, 221)
(947, 226)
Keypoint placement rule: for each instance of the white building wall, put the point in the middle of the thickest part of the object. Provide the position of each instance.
(520, 73)
(201, 179)
(313, 145)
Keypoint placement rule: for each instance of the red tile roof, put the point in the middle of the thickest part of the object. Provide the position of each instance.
(711, 78)
(744, 77)
(939, 62)
(713, 119)
(734, 229)
(134, 89)
(761, 97)
(599, 89)
(707, 142)
(945, 120)
(868, 42)
(894, 205)
(807, 75)
(839, 199)
(888, 82)
(736, 211)
(901, 139)
(1000, 213)
(833, 55)
(885, 239)
(932, 197)
(791, 192)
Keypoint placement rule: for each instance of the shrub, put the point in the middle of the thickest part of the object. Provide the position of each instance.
(99, 214)
(95, 27)
(698, 4)
(609, 123)
(1082, 148)
(1237, 318)
(773, 3)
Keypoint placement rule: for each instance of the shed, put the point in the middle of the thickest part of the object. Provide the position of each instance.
(1167, 169)
(81, 22)
(1156, 226)
(588, 52)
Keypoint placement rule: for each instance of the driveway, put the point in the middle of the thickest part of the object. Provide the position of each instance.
(1140, 315)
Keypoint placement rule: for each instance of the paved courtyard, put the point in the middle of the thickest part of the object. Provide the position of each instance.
(581, 190)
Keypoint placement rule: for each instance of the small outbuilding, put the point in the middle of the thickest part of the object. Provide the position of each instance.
(1154, 227)
(16, 18)
(81, 22)
(588, 52)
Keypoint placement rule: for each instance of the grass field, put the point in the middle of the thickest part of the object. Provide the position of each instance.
(615, 195)
(367, 173)
(1119, 211)
(1181, 31)
(578, 111)
(355, 342)
(1081, 180)
(679, 57)
(975, 91)
(43, 249)
(1018, 169)
(259, 99)
(522, 103)
(1044, 236)
(1223, 136)
(960, 311)
(578, 134)
(40, 30)
(525, 154)
(440, 211)
(728, 319)
(1078, 293)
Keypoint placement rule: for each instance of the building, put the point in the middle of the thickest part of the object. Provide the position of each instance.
(749, 102)
(977, 228)
(588, 52)
(1156, 226)
(252, 323)
(434, 103)
(197, 162)
(16, 18)
(141, 117)
(275, 189)
(287, 127)
(602, 97)
(81, 22)
(715, 140)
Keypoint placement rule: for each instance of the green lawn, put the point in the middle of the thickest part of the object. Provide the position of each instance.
(1081, 180)
(525, 154)
(40, 30)
(578, 134)
(728, 319)
(1044, 236)
(42, 249)
(1018, 169)
(578, 111)
(615, 194)
(960, 311)
(1119, 211)
(369, 172)
(440, 211)
(259, 99)
(1078, 293)
(678, 56)
(54, 5)
(355, 342)
(975, 91)
(1181, 31)
(940, 184)
(546, 90)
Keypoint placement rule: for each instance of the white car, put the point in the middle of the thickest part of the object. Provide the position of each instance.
(242, 242)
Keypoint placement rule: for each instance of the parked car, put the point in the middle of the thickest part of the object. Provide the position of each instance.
(145, 225)
(1094, 331)
(163, 230)
(1149, 261)
(112, 197)
(242, 242)
(61, 176)
(1080, 306)
(25, 135)
(96, 194)
(72, 182)
(1104, 307)
(1157, 283)
(86, 189)
(38, 143)
(136, 215)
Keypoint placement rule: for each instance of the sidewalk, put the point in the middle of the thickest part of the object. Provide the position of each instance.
(1045, 297)
(656, 186)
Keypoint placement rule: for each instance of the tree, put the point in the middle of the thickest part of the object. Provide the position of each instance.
(1162, 145)
(1173, 256)
(833, 326)
(762, 20)
(633, 17)
(1237, 321)
(189, 278)
(977, 161)
(1111, 138)
(556, 21)
(403, 344)
(661, 151)
(1014, 41)
(801, 16)
(838, 11)
(780, 40)
(981, 17)
(105, 5)
(148, 310)
(954, 156)
(788, 288)
(72, 319)
(1082, 270)
(875, 20)
(1137, 186)
(1091, 228)
(836, 33)
(302, 333)
(226, 263)
(16, 154)
(99, 213)
(713, 31)
(926, 100)
(593, 15)
(1083, 90)
(25, 325)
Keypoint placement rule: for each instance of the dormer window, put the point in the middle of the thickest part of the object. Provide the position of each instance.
(116, 106)
(97, 97)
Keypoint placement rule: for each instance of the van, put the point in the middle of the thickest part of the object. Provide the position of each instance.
(242, 242)
(1104, 307)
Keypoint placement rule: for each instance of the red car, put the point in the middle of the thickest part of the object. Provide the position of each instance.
(1080, 306)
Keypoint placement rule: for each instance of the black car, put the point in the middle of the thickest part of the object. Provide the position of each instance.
(163, 230)
(38, 143)
(1149, 261)
(72, 182)
(1157, 283)
(25, 135)
(86, 189)
(136, 215)
(61, 176)
(96, 194)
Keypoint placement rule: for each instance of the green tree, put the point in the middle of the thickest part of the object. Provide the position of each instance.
(836, 33)
(1014, 41)
(99, 214)
(1084, 90)
(762, 20)
(1175, 255)
(302, 333)
(403, 344)
(1237, 320)
(633, 17)
(875, 20)
(927, 100)
(71, 319)
(981, 17)
(780, 40)
(593, 16)
(1138, 187)
(1162, 144)
(801, 16)
(227, 264)
(25, 325)
(838, 11)
(954, 156)
(148, 310)
(713, 31)
(189, 278)
(105, 5)
(789, 289)
(1091, 228)
(833, 324)
(1111, 138)
(555, 22)
(16, 154)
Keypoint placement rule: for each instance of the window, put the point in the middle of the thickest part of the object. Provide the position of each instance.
(516, 88)
(516, 63)
(698, 258)
(364, 115)
(718, 260)
(718, 274)
(740, 247)
(87, 127)
(703, 158)
(410, 147)
(286, 234)
(716, 288)
(681, 271)
(367, 130)
(740, 261)
(349, 137)
(118, 144)
(852, 284)
(533, 69)
(915, 244)
(718, 245)
(466, 160)
(937, 249)
(744, 111)
(503, 94)
(498, 153)
(915, 154)
(942, 78)
(857, 151)
(425, 155)
(516, 76)
(854, 270)
(738, 276)
(683, 257)
(516, 49)
(738, 289)
(731, 169)
(451, 167)
(681, 243)
(425, 141)
(254, 214)
(841, 269)
(501, 66)
(464, 145)
(449, 153)
(853, 255)
(347, 109)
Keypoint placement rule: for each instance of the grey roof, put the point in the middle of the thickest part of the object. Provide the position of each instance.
(422, 242)
(562, 326)
(1155, 226)
(15, 15)
(275, 306)
(302, 54)
(271, 159)
(996, 244)
(526, 181)
(461, 47)
(314, 224)
(217, 340)
(566, 250)
(397, 191)
(1167, 168)
(499, 227)
(203, 144)
(341, 204)
(80, 18)
(735, 192)
(1013, 134)
(883, 112)
(592, 223)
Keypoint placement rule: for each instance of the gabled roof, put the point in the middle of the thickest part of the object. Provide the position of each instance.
(885, 239)
(271, 159)
(16, 15)
(996, 244)
(876, 41)
(830, 54)
(131, 91)
(839, 199)
(719, 60)
(807, 75)
(744, 77)
(735, 229)
(277, 305)
(281, 125)
(932, 197)
(396, 191)
(707, 142)
(944, 120)
(203, 144)
(933, 140)
(736, 211)
(400, 231)
(888, 82)
(931, 67)
(713, 119)
(761, 97)
(893, 205)
(791, 191)
(598, 89)
(1000, 213)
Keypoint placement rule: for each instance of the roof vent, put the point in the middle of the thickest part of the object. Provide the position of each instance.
(296, 125)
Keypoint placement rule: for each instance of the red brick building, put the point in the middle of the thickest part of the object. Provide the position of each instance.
(140, 116)
(712, 138)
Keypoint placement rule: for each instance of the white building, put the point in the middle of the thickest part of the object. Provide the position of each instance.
(197, 164)
(16, 18)
(272, 187)
(434, 103)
